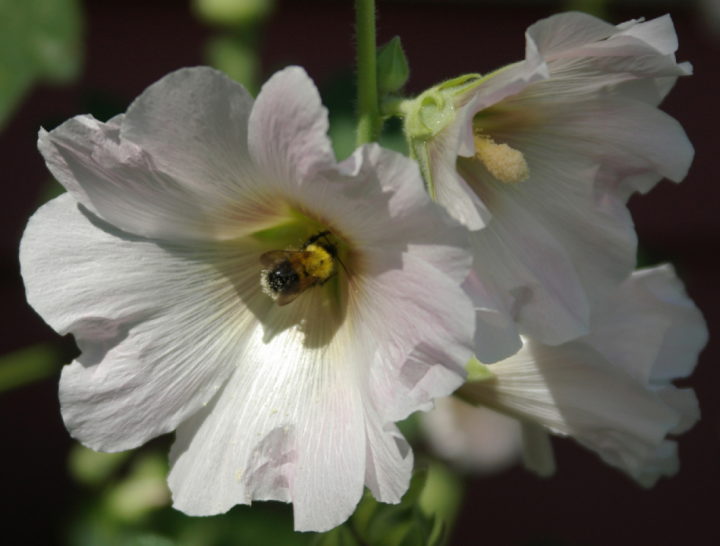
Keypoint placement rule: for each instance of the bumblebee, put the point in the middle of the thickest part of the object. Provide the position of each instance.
(289, 273)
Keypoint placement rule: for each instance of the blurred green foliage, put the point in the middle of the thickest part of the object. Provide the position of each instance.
(40, 40)
(233, 12)
(28, 365)
(236, 58)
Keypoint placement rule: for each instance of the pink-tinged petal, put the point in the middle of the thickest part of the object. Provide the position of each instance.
(475, 439)
(399, 216)
(288, 129)
(562, 194)
(160, 327)
(193, 124)
(631, 137)
(644, 50)
(288, 426)
(567, 31)
(649, 327)
(431, 335)
(175, 167)
(518, 253)
(388, 461)
(688, 333)
(452, 191)
(573, 391)
(658, 33)
(504, 83)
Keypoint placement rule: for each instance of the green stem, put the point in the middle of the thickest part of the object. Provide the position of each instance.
(369, 122)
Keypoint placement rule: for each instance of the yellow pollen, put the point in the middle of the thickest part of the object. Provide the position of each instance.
(504, 163)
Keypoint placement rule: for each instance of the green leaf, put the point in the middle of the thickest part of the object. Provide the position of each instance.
(28, 365)
(340, 536)
(39, 40)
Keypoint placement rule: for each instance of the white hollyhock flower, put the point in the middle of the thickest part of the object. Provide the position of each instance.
(611, 390)
(153, 261)
(541, 156)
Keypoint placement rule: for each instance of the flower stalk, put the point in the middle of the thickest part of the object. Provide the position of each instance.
(369, 122)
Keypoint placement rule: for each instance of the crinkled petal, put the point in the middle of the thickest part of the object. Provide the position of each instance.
(630, 136)
(424, 335)
(175, 167)
(159, 327)
(399, 211)
(388, 461)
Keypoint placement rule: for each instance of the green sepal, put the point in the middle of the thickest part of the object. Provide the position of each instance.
(392, 67)
(460, 85)
(477, 371)
(428, 114)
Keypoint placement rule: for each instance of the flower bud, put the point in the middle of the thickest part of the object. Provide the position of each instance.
(392, 67)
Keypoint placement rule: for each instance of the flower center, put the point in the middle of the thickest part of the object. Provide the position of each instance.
(503, 162)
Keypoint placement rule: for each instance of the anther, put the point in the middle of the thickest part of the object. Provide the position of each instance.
(503, 162)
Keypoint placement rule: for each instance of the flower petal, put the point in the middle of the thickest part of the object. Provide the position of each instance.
(663, 461)
(292, 424)
(572, 390)
(424, 336)
(453, 191)
(567, 31)
(519, 254)
(288, 129)
(496, 334)
(159, 326)
(289, 427)
(174, 167)
(649, 327)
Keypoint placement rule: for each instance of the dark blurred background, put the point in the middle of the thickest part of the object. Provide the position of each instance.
(129, 44)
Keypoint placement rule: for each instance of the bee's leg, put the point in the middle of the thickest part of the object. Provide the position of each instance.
(317, 236)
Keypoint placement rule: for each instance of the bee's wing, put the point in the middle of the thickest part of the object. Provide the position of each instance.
(274, 256)
(291, 292)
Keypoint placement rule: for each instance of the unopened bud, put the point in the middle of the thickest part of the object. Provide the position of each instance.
(392, 67)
